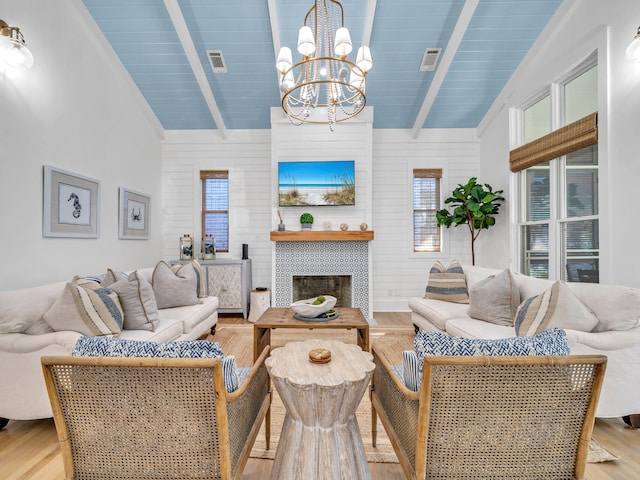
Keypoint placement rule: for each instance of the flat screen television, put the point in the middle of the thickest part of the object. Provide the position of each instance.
(316, 183)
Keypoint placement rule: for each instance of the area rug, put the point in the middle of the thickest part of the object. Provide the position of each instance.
(597, 453)
(383, 452)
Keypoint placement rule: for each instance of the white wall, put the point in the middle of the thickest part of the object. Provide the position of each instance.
(351, 140)
(384, 163)
(398, 273)
(579, 29)
(74, 110)
(246, 154)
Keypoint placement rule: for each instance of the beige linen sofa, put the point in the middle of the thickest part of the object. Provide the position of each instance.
(600, 320)
(25, 337)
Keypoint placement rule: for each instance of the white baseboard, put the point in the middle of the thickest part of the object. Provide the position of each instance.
(391, 304)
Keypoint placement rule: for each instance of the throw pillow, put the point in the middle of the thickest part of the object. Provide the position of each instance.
(86, 307)
(111, 347)
(495, 299)
(200, 275)
(411, 370)
(555, 307)
(549, 342)
(448, 284)
(174, 287)
(112, 277)
(138, 302)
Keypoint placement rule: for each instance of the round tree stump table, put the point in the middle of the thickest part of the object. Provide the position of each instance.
(320, 437)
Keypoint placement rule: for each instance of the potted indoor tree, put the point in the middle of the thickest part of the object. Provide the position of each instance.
(306, 220)
(474, 205)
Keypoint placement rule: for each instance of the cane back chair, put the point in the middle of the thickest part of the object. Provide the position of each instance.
(490, 417)
(155, 418)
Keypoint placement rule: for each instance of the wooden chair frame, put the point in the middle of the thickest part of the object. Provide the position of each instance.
(483, 417)
(154, 417)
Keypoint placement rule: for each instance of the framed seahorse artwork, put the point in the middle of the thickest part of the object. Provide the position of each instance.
(133, 215)
(71, 204)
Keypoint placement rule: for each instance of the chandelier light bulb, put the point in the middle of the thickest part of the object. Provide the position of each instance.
(356, 80)
(363, 60)
(285, 59)
(633, 50)
(343, 44)
(287, 82)
(306, 42)
(325, 79)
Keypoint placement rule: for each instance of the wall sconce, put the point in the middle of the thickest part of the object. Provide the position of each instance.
(13, 49)
(633, 50)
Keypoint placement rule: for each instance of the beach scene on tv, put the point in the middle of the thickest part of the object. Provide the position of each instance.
(316, 183)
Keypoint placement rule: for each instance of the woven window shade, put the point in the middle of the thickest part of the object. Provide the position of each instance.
(427, 173)
(571, 138)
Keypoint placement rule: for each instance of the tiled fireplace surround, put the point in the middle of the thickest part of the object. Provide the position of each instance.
(322, 258)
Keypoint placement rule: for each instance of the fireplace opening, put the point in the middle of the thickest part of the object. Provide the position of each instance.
(309, 286)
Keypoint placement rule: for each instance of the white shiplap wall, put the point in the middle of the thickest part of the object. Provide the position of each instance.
(246, 154)
(398, 273)
(351, 140)
(384, 159)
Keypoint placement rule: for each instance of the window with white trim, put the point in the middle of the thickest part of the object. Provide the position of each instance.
(215, 206)
(427, 235)
(558, 195)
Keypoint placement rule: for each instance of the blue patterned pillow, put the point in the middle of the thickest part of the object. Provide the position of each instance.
(116, 347)
(411, 370)
(549, 342)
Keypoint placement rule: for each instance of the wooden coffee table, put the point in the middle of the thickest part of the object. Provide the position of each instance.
(348, 318)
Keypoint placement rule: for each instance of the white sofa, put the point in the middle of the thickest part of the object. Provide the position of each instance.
(616, 334)
(23, 341)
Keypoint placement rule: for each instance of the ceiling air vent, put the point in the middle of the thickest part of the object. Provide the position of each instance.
(430, 59)
(217, 61)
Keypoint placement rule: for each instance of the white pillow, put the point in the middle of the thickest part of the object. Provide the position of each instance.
(175, 286)
(138, 302)
(556, 307)
(495, 299)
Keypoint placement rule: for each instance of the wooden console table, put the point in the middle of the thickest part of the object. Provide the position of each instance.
(348, 318)
(320, 437)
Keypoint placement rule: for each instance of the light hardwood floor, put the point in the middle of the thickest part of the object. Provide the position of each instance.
(29, 449)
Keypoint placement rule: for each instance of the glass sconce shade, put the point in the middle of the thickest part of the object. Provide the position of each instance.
(13, 50)
(633, 50)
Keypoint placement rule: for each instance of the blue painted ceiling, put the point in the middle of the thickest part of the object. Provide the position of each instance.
(485, 41)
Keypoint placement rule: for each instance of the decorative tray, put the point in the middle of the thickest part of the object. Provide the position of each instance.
(323, 317)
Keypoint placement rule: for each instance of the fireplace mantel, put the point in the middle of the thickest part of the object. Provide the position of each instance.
(322, 253)
(321, 236)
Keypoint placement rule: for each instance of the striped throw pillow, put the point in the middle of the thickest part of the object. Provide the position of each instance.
(556, 307)
(448, 284)
(87, 308)
(117, 347)
(411, 370)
